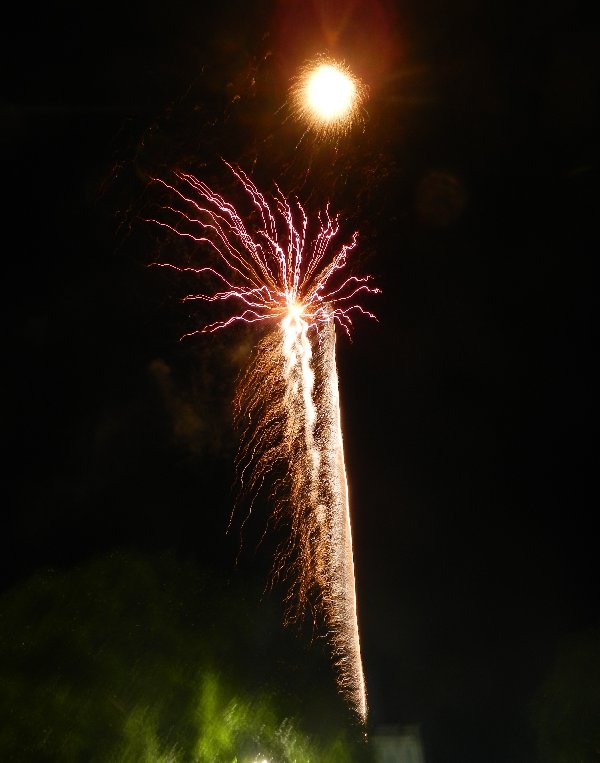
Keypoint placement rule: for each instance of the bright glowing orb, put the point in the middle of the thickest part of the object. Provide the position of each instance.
(330, 92)
(327, 97)
(295, 311)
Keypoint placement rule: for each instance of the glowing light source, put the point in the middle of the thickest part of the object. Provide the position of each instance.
(296, 311)
(289, 277)
(330, 92)
(327, 97)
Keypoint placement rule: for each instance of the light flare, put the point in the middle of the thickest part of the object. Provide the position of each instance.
(289, 278)
(327, 97)
(330, 92)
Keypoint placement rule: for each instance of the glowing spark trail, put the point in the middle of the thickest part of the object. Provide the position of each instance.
(287, 401)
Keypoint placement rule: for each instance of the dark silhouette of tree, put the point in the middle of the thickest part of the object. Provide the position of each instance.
(567, 706)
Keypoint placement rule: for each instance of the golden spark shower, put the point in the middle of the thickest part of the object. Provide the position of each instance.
(327, 97)
(290, 274)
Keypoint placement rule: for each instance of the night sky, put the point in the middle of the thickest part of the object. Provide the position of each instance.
(468, 409)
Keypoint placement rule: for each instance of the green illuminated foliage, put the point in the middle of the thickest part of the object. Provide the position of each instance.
(131, 661)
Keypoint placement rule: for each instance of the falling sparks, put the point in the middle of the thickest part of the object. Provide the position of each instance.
(327, 97)
(284, 275)
(277, 273)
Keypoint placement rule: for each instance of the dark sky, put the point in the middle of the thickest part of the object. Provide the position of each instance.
(468, 409)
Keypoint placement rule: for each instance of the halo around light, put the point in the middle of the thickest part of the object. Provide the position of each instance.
(327, 97)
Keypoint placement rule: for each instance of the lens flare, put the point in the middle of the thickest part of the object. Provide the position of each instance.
(327, 97)
(289, 275)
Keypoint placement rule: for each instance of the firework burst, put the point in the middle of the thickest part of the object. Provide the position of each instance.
(327, 97)
(292, 280)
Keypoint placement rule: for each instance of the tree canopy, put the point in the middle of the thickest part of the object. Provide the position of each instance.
(136, 659)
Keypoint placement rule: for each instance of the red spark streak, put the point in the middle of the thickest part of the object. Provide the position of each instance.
(273, 272)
